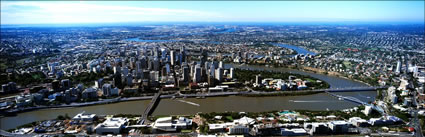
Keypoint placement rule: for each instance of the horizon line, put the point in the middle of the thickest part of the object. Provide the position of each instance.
(256, 22)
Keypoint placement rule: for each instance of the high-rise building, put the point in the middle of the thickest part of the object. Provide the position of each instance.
(398, 69)
(156, 64)
(163, 54)
(98, 83)
(154, 75)
(183, 54)
(212, 70)
(185, 74)
(204, 57)
(197, 74)
(156, 52)
(143, 62)
(129, 80)
(132, 63)
(66, 84)
(125, 70)
(106, 89)
(173, 56)
(219, 74)
(117, 80)
(231, 73)
(220, 64)
(258, 79)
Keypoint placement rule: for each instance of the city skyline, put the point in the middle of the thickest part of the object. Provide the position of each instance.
(210, 11)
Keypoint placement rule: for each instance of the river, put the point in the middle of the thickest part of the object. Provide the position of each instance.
(319, 101)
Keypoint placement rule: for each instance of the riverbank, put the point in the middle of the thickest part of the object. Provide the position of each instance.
(175, 96)
(336, 74)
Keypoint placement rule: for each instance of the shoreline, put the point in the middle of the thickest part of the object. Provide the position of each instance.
(214, 94)
(171, 96)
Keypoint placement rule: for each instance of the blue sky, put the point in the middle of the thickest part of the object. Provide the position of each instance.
(47, 12)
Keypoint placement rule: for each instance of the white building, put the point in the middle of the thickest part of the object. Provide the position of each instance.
(84, 117)
(339, 126)
(111, 126)
(293, 132)
(238, 130)
(359, 122)
(168, 124)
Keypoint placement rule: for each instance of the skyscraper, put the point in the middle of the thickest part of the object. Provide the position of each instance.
(219, 74)
(172, 57)
(106, 89)
(231, 73)
(185, 74)
(398, 69)
(197, 74)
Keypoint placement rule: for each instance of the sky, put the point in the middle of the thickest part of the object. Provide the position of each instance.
(74, 12)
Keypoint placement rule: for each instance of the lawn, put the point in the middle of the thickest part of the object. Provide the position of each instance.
(347, 64)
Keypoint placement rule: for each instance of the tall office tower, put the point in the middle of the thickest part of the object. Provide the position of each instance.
(132, 62)
(197, 74)
(150, 63)
(185, 74)
(156, 52)
(129, 80)
(204, 57)
(398, 69)
(117, 70)
(220, 64)
(156, 64)
(211, 81)
(163, 54)
(406, 67)
(98, 83)
(117, 62)
(206, 66)
(125, 71)
(66, 83)
(173, 56)
(231, 73)
(212, 70)
(168, 69)
(183, 54)
(219, 74)
(154, 75)
(106, 89)
(192, 67)
(258, 79)
(143, 62)
(138, 65)
(163, 71)
(118, 80)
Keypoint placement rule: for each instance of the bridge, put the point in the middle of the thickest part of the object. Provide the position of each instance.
(350, 89)
(358, 101)
(151, 107)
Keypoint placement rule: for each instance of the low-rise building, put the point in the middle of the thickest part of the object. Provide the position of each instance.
(359, 122)
(339, 126)
(168, 124)
(293, 132)
(238, 129)
(84, 117)
(111, 126)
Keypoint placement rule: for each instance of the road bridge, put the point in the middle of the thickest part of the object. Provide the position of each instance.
(151, 107)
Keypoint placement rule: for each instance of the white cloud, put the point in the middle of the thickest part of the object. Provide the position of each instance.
(82, 12)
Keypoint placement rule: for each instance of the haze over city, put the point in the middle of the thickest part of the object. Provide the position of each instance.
(53, 12)
(212, 68)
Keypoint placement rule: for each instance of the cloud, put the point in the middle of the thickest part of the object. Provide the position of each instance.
(82, 12)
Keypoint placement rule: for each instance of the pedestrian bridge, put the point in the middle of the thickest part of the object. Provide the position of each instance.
(351, 89)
